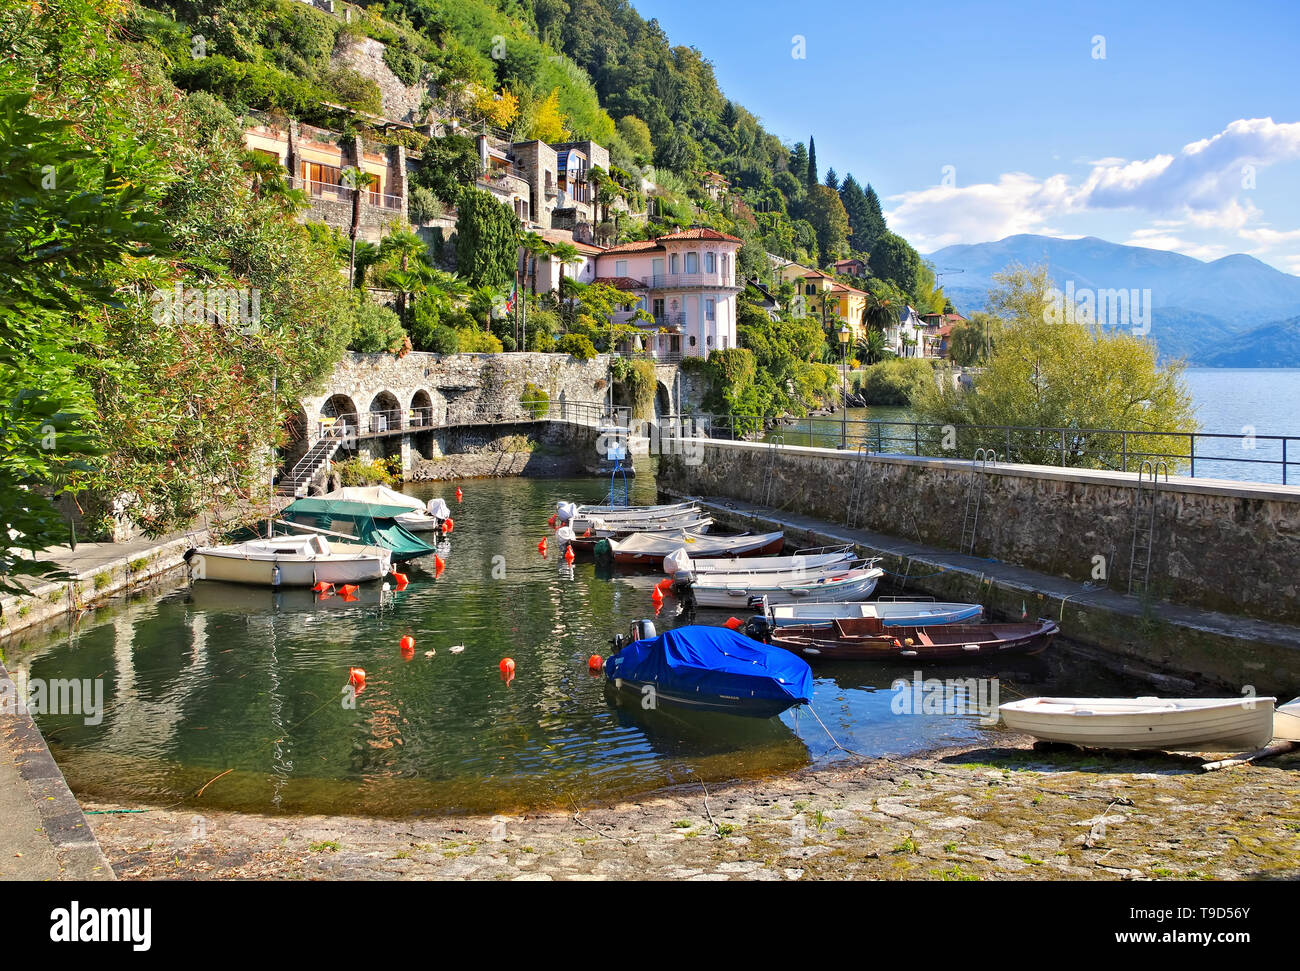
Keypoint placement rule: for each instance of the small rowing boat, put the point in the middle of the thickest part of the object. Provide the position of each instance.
(707, 669)
(1168, 724)
(736, 590)
(587, 540)
(1286, 721)
(867, 639)
(679, 562)
(891, 613)
(649, 549)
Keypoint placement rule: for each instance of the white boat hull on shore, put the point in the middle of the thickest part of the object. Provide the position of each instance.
(721, 590)
(1167, 724)
(1286, 721)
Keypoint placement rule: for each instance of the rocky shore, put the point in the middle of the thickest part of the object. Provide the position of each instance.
(1011, 812)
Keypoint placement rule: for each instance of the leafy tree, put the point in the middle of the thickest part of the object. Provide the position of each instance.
(576, 345)
(450, 164)
(376, 328)
(487, 239)
(798, 165)
(893, 259)
(636, 135)
(829, 220)
(1065, 375)
(548, 122)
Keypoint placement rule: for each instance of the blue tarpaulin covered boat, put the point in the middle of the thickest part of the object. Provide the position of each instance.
(712, 669)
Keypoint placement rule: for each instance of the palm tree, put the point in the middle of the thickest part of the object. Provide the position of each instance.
(408, 283)
(364, 257)
(481, 302)
(270, 181)
(872, 348)
(564, 254)
(534, 246)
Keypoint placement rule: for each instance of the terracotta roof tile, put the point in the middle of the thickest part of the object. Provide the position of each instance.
(701, 233)
(621, 282)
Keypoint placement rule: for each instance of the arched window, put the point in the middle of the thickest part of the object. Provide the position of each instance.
(692, 342)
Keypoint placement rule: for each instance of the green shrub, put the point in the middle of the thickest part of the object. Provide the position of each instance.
(475, 341)
(577, 345)
(896, 381)
(535, 400)
(443, 340)
(254, 85)
(357, 472)
(376, 328)
(404, 63)
(423, 206)
(354, 90)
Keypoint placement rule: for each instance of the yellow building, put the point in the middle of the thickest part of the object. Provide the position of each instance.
(825, 299)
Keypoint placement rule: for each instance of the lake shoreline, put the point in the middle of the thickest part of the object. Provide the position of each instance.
(973, 812)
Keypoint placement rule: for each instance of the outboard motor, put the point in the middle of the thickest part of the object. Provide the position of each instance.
(640, 630)
(758, 628)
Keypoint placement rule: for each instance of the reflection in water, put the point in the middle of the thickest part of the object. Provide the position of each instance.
(248, 688)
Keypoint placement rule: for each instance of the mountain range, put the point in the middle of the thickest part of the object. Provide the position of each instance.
(1231, 312)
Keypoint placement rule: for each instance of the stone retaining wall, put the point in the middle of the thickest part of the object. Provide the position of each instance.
(1227, 546)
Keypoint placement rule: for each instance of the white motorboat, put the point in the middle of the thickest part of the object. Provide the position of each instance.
(1169, 724)
(649, 548)
(723, 590)
(615, 526)
(420, 519)
(566, 511)
(891, 613)
(1286, 721)
(289, 561)
(679, 561)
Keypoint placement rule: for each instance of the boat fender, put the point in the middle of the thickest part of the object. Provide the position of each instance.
(275, 575)
(188, 553)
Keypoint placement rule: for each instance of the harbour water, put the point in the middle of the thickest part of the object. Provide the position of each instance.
(241, 689)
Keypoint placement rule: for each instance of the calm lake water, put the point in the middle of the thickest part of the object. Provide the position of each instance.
(214, 678)
(1245, 404)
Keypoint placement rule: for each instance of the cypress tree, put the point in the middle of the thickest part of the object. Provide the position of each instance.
(812, 178)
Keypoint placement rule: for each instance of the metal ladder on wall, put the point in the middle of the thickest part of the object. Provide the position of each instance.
(855, 513)
(769, 470)
(1144, 525)
(983, 458)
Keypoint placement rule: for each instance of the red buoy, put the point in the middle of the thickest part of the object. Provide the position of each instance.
(401, 579)
(451, 525)
(568, 555)
(348, 589)
(666, 584)
(507, 667)
(323, 586)
(551, 522)
(459, 495)
(439, 564)
(407, 643)
(357, 677)
(735, 623)
(541, 547)
(657, 597)
(595, 663)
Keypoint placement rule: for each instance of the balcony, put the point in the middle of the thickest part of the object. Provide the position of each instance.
(684, 281)
(661, 321)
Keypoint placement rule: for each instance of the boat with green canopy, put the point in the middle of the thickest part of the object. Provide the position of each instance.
(368, 523)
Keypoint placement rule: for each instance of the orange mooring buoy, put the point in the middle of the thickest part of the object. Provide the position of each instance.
(459, 495)
(735, 623)
(323, 586)
(541, 547)
(551, 522)
(407, 643)
(357, 677)
(568, 555)
(439, 564)
(657, 597)
(401, 579)
(451, 525)
(666, 584)
(595, 663)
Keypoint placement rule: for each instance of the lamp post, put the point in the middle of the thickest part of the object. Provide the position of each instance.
(844, 393)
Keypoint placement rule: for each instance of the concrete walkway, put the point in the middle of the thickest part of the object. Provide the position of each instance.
(43, 832)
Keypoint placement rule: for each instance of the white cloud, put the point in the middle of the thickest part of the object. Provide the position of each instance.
(1198, 187)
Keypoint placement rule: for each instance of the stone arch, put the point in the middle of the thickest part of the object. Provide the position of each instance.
(663, 400)
(422, 406)
(340, 409)
(385, 412)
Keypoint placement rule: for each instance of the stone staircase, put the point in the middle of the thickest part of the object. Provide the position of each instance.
(295, 481)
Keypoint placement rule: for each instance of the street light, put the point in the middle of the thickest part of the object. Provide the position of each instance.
(844, 393)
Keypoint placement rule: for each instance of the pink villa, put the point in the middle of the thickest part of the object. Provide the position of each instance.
(687, 282)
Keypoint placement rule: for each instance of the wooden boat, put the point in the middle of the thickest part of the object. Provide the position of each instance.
(679, 562)
(1169, 724)
(649, 549)
(736, 590)
(1286, 721)
(868, 639)
(891, 613)
(707, 669)
(612, 526)
(289, 561)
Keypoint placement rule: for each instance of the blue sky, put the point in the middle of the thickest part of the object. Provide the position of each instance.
(1184, 136)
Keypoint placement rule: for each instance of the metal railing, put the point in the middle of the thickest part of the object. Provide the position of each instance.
(663, 281)
(1253, 458)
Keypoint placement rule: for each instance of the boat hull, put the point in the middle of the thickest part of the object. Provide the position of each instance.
(829, 588)
(209, 564)
(900, 614)
(722, 704)
(1286, 721)
(1190, 725)
(766, 544)
(869, 640)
